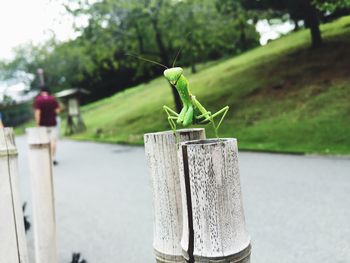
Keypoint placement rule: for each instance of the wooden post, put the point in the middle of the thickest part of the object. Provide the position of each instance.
(13, 248)
(214, 225)
(44, 223)
(161, 153)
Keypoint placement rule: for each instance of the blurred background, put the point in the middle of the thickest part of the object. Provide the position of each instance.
(282, 66)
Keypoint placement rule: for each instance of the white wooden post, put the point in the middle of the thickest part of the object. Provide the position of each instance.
(44, 222)
(161, 153)
(13, 247)
(214, 225)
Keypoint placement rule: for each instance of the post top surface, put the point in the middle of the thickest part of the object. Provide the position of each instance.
(180, 131)
(37, 135)
(210, 141)
(7, 141)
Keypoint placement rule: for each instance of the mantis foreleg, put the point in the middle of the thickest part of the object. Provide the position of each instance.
(169, 110)
(172, 115)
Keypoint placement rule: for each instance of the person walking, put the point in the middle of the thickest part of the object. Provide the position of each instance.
(46, 108)
(1, 125)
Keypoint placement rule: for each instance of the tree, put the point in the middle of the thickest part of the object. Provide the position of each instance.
(98, 59)
(332, 5)
(134, 27)
(298, 9)
(241, 18)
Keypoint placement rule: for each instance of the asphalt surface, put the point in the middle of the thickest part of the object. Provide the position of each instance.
(297, 207)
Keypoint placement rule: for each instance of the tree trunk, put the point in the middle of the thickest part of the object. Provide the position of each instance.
(312, 21)
(163, 51)
(193, 67)
(177, 99)
(296, 25)
(243, 37)
(139, 39)
(193, 63)
(166, 61)
(193, 59)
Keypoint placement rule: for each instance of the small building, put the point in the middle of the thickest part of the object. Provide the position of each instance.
(71, 99)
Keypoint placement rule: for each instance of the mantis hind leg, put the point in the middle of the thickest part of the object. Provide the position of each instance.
(223, 111)
(211, 117)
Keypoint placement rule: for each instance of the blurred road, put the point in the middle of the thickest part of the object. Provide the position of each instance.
(297, 207)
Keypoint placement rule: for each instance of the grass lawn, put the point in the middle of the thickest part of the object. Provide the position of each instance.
(283, 97)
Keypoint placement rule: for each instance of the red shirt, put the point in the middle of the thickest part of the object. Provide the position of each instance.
(47, 106)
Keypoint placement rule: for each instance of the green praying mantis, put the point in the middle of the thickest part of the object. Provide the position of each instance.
(193, 112)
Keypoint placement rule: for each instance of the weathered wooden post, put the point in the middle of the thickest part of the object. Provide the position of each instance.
(214, 225)
(13, 247)
(72, 98)
(161, 153)
(44, 223)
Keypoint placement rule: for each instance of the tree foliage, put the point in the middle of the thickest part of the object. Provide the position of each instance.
(236, 12)
(298, 10)
(98, 59)
(332, 5)
(310, 11)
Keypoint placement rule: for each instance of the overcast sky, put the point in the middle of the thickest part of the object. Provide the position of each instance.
(22, 21)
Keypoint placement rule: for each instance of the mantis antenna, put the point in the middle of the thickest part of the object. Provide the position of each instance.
(181, 48)
(148, 60)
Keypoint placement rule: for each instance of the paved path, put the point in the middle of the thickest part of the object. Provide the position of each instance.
(297, 208)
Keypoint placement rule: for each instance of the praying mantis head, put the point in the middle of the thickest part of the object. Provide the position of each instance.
(173, 74)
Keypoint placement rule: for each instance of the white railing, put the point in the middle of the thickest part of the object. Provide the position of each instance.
(13, 247)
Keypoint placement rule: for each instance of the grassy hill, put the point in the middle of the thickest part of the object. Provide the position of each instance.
(284, 97)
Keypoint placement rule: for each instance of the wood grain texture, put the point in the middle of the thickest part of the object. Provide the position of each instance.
(44, 222)
(13, 248)
(214, 226)
(161, 155)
